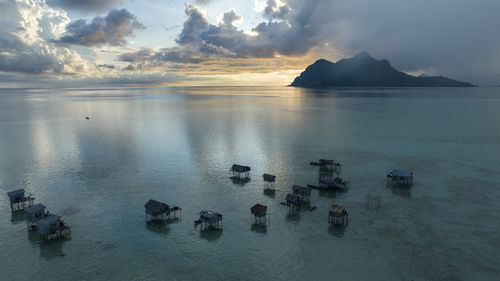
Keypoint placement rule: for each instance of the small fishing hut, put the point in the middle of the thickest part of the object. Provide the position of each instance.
(19, 201)
(269, 181)
(259, 214)
(304, 192)
(330, 165)
(400, 178)
(239, 172)
(293, 202)
(52, 227)
(335, 183)
(35, 213)
(338, 215)
(157, 211)
(209, 220)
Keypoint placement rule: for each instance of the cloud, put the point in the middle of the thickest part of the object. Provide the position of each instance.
(201, 42)
(230, 19)
(291, 31)
(111, 29)
(104, 65)
(449, 37)
(455, 38)
(27, 29)
(157, 57)
(450, 41)
(84, 5)
(140, 55)
(194, 26)
(204, 2)
(129, 79)
(274, 10)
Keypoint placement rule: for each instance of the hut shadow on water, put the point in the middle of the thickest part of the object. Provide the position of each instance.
(240, 182)
(293, 217)
(404, 192)
(337, 230)
(17, 217)
(211, 235)
(34, 237)
(52, 250)
(270, 193)
(158, 227)
(259, 228)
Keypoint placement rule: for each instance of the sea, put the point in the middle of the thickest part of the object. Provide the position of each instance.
(176, 145)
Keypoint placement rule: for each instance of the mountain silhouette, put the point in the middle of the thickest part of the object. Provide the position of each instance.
(363, 70)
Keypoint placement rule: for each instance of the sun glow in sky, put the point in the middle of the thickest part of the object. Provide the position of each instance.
(74, 43)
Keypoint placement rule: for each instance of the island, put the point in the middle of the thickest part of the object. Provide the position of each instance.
(363, 70)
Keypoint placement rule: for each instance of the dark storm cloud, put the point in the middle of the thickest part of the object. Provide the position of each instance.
(200, 41)
(195, 24)
(294, 36)
(84, 5)
(451, 37)
(111, 29)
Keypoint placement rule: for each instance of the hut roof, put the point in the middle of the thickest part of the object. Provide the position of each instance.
(269, 177)
(337, 208)
(15, 192)
(35, 209)
(209, 214)
(258, 208)
(49, 220)
(302, 190)
(239, 168)
(326, 161)
(326, 178)
(401, 173)
(155, 207)
(292, 198)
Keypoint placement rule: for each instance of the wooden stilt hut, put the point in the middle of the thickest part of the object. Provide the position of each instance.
(35, 213)
(330, 165)
(304, 193)
(239, 172)
(334, 183)
(338, 215)
(259, 214)
(209, 220)
(269, 181)
(400, 178)
(19, 201)
(159, 211)
(52, 227)
(293, 202)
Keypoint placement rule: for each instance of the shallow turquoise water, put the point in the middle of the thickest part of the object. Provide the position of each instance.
(177, 144)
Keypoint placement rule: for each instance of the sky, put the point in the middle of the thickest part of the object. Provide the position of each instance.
(108, 43)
